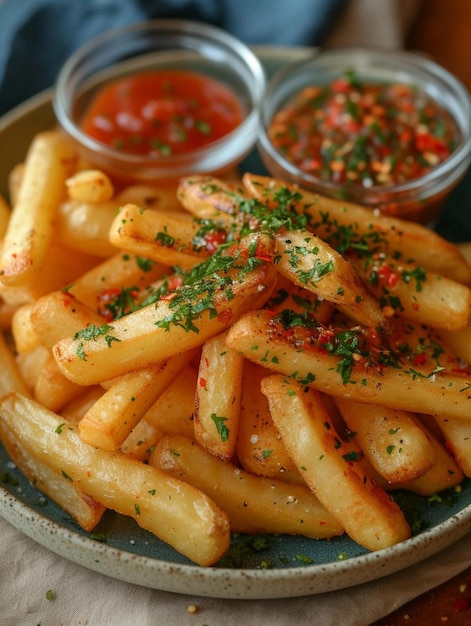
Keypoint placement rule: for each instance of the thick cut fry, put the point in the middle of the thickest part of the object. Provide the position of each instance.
(60, 267)
(31, 226)
(417, 294)
(444, 473)
(84, 226)
(329, 365)
(392, 440)
(333, 219)
(52, 389)
(22, 330)
(83, 508)
(90, 186)
(161, 197)
(172, 412)
(259, 447)
(10, 375)
(142, 440)
(459, 341)
(217, 398)
(58, 315)
(366, 512)
(171, 326)
(120, 272)
(157, 235)
(207, 197)
(31, 363)
(254, 504)
(311, 263)
(457, 434)
(110, 420)
(176, 512)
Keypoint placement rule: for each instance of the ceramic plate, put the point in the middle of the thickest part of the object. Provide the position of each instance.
(256, 567)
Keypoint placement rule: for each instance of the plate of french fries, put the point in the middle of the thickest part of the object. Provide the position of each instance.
(225, 386)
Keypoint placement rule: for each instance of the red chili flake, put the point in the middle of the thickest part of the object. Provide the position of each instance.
(419, 359)
(387, 276)
(203, 383)
(214, 240)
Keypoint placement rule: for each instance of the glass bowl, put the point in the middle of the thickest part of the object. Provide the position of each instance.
(418, 199)
(161, 45)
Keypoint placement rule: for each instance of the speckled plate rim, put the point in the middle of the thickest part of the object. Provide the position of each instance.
(255, 584)
(218, 582)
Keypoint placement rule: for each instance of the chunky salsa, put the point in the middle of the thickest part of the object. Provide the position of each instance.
(363, 134)
(158, 114)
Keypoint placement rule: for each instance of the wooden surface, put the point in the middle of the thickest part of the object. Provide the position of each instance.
(442, 30)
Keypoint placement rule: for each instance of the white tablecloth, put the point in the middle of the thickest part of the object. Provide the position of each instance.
(84, 598)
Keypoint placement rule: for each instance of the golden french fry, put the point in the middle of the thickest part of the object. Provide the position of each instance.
(161, 197)
(31, 363)
(10, 374)
(311, 263)
(22, 330)
(207, 197)
(141, 441)
(74, 410)
(457, 433)
(254, 504)
(52, 389)
(332, 220)
(172, 412)
(31, 226)
(174, 511)
(217, 398)
(119, 272)
(15, 177)
(84, 226)
(83, 508)
(444, 473)
(416, 293)
(395, 444)
(159, 236)
(92, 186)
(366, 512)
(171, 326)
(259, 447)
(112, 417)
(59, 314)
(340, 363)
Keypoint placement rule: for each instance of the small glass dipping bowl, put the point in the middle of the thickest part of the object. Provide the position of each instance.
(161, 45)
(418, 199)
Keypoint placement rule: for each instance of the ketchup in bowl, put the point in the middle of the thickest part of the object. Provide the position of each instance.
(161, 113)
(363, 134)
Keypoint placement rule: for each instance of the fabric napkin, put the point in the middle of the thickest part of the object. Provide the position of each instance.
(39, 587)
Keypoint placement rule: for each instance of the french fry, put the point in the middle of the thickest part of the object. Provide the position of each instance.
(15, 177)
(444, 473)
(395, 444)
(171, 326)
(86, 511)
(31, 363)
(52, 389)
(59, 314)
(311, 263)
(142, 440)
(84, 226)
(217, 398)
(22, 329)
(74, 410)
(172, 412)
(10, 375)
(417, 294)
(174, 511)
(366, 512)
(31, 226)
(207, 197)
(156, 235)
(259, 447)
(457, 434)
(90, 186)
(119, 272)
(112, 417)
(254, 504)
(159, 197)
(324, 364)
(329, 217)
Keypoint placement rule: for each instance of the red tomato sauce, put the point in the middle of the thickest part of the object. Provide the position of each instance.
(363, 134)
(162, 113)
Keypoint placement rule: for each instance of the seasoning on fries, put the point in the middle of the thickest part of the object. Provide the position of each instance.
(227, 355)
